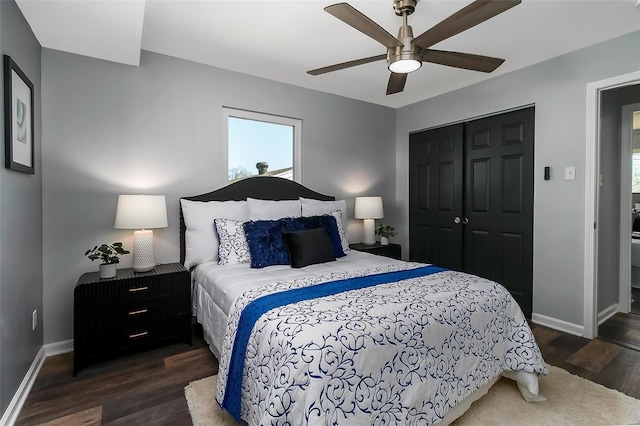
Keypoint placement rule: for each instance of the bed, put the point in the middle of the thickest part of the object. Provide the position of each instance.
(362, 339)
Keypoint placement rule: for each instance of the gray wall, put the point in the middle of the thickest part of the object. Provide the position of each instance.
(609, 196)
(558, 89)
(113, 129)
(20, 225)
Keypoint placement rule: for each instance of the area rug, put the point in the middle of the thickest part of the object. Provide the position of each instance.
(572, 400)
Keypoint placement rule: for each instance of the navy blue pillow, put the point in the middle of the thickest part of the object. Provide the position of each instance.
(265, 238)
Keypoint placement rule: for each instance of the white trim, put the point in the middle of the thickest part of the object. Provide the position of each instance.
(57, 348)
(558, 324)
(626, 204)
(591, 187)
(607, 313)
(13, 410)
(296, 123)
(590, 318)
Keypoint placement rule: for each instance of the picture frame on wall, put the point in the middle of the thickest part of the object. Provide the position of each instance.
(18, 119)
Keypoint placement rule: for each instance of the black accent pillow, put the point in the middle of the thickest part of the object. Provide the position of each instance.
(309, 247)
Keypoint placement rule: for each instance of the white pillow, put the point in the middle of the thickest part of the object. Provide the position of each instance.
(343, 235)
(201, 240)
(311, 207)
(233, 242)
(273, 210)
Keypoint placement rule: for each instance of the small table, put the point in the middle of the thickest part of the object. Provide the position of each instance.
(390, 250)
(130, 312)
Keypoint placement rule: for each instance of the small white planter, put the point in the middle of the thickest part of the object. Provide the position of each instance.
(107, 270)
(384, 241)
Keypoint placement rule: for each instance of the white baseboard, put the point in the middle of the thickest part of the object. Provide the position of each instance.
(57, 348)
(607, 313)
(13, 410)
(558, 324)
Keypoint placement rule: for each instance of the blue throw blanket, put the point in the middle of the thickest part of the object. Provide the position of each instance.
(255, 309)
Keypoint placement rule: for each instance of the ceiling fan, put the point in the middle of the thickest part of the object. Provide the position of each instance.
(406, 53)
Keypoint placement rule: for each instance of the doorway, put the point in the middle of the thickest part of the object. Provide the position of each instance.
(630, 183)
(617, 251)
(592, 184)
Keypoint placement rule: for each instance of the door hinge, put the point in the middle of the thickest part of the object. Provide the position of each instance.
(594, 225)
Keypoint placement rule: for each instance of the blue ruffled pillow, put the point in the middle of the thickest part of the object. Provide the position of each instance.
(266, 237)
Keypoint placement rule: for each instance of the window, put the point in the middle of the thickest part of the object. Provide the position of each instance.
(262, 144)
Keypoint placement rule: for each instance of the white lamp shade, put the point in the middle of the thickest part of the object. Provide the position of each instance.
(141, 212)
(368, 208)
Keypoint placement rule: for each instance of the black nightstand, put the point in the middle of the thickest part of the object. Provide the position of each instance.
(130, 312)
(391, 250)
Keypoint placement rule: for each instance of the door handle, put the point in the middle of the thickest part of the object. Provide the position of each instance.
(465, 221)
(456, 219)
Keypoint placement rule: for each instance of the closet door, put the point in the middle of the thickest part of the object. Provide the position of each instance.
(498, 219)
(435, 199)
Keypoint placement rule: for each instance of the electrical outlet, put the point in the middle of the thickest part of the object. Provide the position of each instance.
(34, 320)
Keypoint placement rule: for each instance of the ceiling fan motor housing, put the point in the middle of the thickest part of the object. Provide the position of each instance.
(408, 51)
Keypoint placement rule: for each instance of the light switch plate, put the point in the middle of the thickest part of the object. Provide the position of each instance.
(570, 173)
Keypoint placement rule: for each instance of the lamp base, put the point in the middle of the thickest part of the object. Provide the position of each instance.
(143, 259)
(369, 237)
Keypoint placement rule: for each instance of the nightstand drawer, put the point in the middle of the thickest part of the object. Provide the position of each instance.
(129, 290)
(145, 331)
(157, 307)
(124, 338)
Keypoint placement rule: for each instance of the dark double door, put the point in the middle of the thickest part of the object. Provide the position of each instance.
(471, 199)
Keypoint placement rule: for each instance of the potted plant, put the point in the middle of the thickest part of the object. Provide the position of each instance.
(109, 254)
(385, 232)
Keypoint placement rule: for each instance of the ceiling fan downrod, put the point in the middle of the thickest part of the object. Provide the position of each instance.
(408, 57)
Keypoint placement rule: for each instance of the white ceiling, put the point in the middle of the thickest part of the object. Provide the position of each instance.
(281, 40)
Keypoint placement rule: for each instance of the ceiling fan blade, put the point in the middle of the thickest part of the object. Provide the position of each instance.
(362, 23)
(344, 65)
(462, 60)
(467, 17)
(396, 83)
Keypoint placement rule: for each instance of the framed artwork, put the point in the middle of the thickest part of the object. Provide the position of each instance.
(18, 119)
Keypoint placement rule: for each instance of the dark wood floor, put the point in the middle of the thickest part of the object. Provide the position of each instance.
(148, 388)
(623, 329)
(141, 389)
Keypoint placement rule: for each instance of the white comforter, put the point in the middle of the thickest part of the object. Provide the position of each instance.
(399, 353)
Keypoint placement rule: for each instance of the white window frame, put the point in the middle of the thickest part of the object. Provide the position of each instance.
(267, 118)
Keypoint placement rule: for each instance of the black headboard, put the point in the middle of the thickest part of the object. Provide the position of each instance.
(260, 187)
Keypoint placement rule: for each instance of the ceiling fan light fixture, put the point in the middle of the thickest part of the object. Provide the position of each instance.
(405, 63)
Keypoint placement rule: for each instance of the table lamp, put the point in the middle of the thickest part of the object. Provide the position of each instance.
(142, 212)
(369, 208)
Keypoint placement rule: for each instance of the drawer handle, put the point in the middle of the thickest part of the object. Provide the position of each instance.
(138, 312)
(132, 290)
(133, 336)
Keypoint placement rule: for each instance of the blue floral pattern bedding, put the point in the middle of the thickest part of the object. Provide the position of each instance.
(404, 352)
